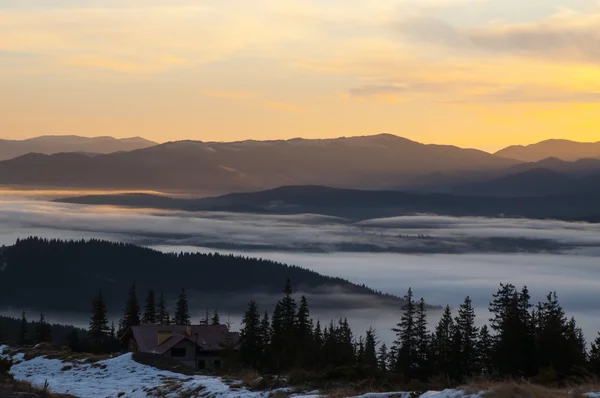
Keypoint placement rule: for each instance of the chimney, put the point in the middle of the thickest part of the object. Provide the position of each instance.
(188, 331)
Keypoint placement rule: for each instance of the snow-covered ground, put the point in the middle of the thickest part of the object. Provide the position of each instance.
(123, 377)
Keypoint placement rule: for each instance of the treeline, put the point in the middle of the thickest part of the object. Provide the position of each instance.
(105, 337)
(37, 269)
(25, 332)
(522, 341)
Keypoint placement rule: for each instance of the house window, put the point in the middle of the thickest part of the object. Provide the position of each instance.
(178, 352)
(201, 364)
(217, 364)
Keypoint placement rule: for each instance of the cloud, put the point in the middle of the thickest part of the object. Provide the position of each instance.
(565, 37)
(379, 92)
(308, 233)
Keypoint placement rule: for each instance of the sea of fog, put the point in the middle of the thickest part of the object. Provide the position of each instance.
(571, 267)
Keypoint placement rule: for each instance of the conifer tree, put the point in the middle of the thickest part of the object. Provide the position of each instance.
(552, 334)
(98, 330)
(594, 356)
(150, 311)
(43, 331)
(423, 340)
(465, 321)
(277, 337)
(215, 320)
(514, 348)
(23, 335)
(455, 371)
(383, 358)
(360, 350)
(73, 339)
(113, 332)
(303, 332)
(317, 344)
(484, 350)
(182, 312)
(131, 315)
(250, 337)
(265, 339)
(284, 329)
(370, 356)
(406, 339)
(442, 343)
(162, 314)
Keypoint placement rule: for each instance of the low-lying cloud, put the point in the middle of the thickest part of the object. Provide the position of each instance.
(303, 233)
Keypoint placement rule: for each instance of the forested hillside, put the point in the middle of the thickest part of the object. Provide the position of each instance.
(65, 275)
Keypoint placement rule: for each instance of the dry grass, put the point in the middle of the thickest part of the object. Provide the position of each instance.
(514, 389)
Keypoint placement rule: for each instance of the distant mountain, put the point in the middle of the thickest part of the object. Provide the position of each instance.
(65, 275)
(69, 143)
(370, 162)
(533, 182)
(560, 149)
(578, 168)
(362, 204)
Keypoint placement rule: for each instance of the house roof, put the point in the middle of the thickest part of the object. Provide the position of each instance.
(208, 337)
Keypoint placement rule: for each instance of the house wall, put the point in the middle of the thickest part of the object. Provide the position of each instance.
(192, 358)
(189, 358)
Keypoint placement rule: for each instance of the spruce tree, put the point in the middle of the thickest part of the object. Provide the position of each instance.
(552, 334)
(465, 321)
(370, 355)
(484, 350)
(514, 348)
(406, 339)
(43, 331)
(277, 337)
(150, 312)
(360, 350)
(423, 340)
(317, 344)
(250, 337)
(182, 313)
(215, 320)
(265, 339)
(285, 335)
(594, 357)
(131, 315)
(162, 314)
(383, 358)
(23, 335)
(442, 343)
(98, 330)
(73, 340)
(303, 332)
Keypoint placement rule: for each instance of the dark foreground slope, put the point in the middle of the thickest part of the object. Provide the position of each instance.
(65, 275)
(360, 204)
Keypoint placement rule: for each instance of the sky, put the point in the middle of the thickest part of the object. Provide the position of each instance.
(472, 73)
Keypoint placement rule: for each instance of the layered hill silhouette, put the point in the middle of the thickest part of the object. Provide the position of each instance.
(37, 271)
(560, 149)
(363, 204)
(360, 162)
(69, 143)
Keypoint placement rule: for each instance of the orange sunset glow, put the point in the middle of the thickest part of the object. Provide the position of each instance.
(472, 73)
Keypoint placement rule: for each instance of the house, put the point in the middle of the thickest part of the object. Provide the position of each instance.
(197, 346)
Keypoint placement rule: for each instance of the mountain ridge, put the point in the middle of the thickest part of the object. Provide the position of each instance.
(558, 148)
(52, 144)
(363, 204)
(368, 162)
